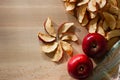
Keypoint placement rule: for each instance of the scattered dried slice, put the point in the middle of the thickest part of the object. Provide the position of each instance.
(110, 20)
(113, 2)
(92, 26)
(105, 26)
(100, 29)
(81, 12)
(67, 48)
(112, 34)
(69, 37)
(64, 28)
(92, 6)
(101, 3)
(82, 2)
(85, 21)
(69, 6)
(49, 27)
(58, 54)
(46, 37)
(48, 48)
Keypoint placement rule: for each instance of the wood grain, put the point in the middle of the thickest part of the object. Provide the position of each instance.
(20, 55)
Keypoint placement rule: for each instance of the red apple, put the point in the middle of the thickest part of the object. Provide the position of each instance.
(94, 45)
(80, 66)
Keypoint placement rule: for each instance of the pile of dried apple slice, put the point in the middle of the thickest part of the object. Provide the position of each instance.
(56, 41)
(97, 16)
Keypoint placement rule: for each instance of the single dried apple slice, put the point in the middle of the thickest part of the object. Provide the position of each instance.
(85, 21)
(111, 42)
(92, 26)
(105, 26)
(64, 28)
(114, 10)
(48, 48)
(101, 3)
(69, 37)
(81, 12)
(82, 2)
(69, 6)
(58, 54)
(46, 37)
(112, 34)
(113, 2)
(110, 20)
(92, 6)
(49, 27)
(67, 47)
(100, 29)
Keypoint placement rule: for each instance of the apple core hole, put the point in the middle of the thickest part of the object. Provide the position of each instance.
(94, 45)
(80, 69)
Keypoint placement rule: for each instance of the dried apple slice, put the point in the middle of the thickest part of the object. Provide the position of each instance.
(82, 2)
(69, 37)
(49, 27)
(64, 28)
(105, 26)
(58, 54)
(72, 0)
(110, 20)
(112, 34)
(92, 26)
(46, 37)
(114, 10)
(100, 29)
(101, 3)
(113, 2)
(48, 48)
(81, 12)
(85, 21)
(67, 47)
(69, 6)
(92, 6)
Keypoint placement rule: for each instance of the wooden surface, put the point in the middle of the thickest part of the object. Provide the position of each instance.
(20, 54)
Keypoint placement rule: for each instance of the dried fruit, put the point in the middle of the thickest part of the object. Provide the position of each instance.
(56, 42)
(107, 12)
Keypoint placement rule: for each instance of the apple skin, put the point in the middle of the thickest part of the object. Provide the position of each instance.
(94, 45)
(80, 66)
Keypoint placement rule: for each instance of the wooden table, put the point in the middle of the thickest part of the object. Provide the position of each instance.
(20, 55)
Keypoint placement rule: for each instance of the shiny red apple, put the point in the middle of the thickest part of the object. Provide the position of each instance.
(94, 45)
(80, 66)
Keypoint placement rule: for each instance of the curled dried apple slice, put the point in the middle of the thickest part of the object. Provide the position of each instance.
(81, 12)
(113, 2)
(72, 0)
(67, 47)
(92, 6)
(46, 37)
(85, 21)
(105, 26)
(114, 10)
(69, 37)
(69, 6)
(82, 2)
(92, 26)
(48, 48)
(110, 20)
(113, 33)
(100, 29)
(101, 3)
(58, 54)
(118, 24)
(49, 27)
(64, 28)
